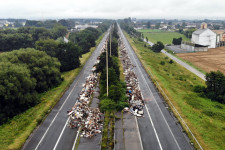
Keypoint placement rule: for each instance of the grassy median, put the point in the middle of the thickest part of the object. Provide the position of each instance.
(204, 117)
(14, 133)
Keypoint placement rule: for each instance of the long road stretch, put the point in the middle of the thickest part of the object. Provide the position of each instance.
(53, 133)
(158, 129)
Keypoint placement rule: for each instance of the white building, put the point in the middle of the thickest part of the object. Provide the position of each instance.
(205, 37)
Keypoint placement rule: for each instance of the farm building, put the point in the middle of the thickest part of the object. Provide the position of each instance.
(205, 37)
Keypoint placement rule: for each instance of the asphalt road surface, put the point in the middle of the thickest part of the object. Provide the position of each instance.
(53, 133)
(185, 65)
(158, 128)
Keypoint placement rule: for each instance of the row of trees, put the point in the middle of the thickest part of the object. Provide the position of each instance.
(127, 25)
(25, 37)
(117, 99)
(24, 73)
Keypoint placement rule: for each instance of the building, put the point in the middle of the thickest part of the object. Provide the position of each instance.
(191, 47)
(204, 37)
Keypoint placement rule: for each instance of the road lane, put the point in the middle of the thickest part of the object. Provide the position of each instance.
(48, 133)
(167, 134)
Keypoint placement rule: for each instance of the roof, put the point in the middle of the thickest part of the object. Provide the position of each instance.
(199, 31)
(219, 31)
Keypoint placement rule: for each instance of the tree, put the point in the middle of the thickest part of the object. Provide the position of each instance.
(146, 38)
(68, 55)
(158, 46)
(215, 82)
(148, 24)
(17, 90)
(157, 26)
(50, 46)
(43, 68)
(177, 41)
(59, 31)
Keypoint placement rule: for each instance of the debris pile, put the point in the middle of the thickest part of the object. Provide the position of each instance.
(81, 115)
(133, 91)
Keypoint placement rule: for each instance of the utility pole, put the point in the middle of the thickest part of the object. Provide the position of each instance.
(107, 69)
(110, 41)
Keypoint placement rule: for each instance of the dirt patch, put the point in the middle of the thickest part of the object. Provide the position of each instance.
(212, 60)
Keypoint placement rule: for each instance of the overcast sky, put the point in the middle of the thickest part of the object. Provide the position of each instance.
(113, 9)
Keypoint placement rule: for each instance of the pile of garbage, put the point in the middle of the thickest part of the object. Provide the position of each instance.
(133, 91)
(81, 115)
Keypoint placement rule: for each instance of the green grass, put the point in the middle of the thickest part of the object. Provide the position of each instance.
(151, 30)
(14, 133)
(164, 36)
(204, 117)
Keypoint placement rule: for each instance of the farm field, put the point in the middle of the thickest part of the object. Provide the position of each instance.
(165, 37)
(212, 60)
(204, 117)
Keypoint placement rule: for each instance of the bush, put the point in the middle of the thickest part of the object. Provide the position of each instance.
(171, 61)
(107, 104)
(162, 62)
(199, 88)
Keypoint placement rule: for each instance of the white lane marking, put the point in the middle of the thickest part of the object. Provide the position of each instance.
(153, 98)
(61, 134)
(139, 135)
(150, 118)
(58, 112)
(74, 144)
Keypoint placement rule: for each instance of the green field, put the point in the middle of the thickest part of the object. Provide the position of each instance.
(205, 118)
(14, 133)
(165, 37)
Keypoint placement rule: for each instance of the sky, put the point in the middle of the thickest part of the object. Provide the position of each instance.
(113, 9)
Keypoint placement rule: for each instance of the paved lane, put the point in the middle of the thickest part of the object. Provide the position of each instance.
(158, 129)
(53, 132)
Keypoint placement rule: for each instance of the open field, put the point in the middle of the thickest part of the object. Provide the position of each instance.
(14, 133)
(164, 36)
(151, 30)
(212, 60)
(204, 117)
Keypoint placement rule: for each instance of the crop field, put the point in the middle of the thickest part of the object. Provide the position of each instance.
(204, 117)
(165, 37)
(212, 60)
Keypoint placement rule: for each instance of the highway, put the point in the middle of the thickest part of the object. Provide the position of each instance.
(53, 133)
(185, 65)
(158, 128)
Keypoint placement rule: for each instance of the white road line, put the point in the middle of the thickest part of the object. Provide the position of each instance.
(139, 135)
(154, 99)
(74, 144)
(61, 134)
(150, 118)
(57, 113)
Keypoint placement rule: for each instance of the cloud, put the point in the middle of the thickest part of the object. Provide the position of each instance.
(111, 9)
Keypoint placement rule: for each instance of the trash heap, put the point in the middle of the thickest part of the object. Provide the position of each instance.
(81, 115)
(133, 91)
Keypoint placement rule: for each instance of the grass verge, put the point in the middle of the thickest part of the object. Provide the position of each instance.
(15, 132)
(204, 117)
(188, 62)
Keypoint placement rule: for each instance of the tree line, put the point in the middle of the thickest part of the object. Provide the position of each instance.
(116, 100)
(24, 73)
(27, 72)
(25, 37)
